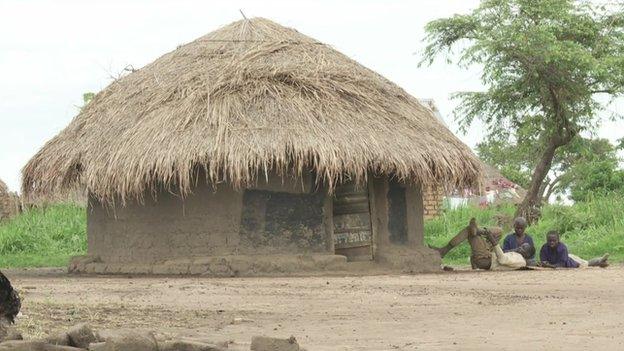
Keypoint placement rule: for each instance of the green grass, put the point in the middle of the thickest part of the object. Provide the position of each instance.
(43, 237)
(589, 228)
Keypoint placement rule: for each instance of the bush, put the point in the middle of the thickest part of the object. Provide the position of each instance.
(43, 236)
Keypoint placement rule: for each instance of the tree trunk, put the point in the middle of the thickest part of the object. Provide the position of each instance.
(530, 206)
(551, 188)
(542, 190)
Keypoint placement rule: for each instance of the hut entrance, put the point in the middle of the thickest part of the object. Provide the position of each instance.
(352, 222)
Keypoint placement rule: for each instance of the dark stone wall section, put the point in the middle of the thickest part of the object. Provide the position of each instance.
(283, 222)
(397, 214)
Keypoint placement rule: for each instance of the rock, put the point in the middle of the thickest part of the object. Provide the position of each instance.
(182, 345)
(264, 343)
(22, 345)
(81, 335)
(57, 339)
(97, 346)
(125, 340)
(240, 320)
(105, 334)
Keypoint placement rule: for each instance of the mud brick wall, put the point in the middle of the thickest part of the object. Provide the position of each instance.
(276, 216)
(432, 200)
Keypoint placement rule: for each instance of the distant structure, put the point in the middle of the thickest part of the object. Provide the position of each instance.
(253, 149)
(433, 196)
(496, 188)
(9, 202)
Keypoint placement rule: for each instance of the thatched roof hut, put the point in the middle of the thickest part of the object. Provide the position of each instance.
(4, 200)
(9, 202)
(248, 97)
(248, 101)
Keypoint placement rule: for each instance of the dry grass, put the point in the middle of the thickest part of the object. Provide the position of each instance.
(10, 204)
(248, 98)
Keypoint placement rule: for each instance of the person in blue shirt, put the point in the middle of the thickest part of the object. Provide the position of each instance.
(519, 241)
(554, 254)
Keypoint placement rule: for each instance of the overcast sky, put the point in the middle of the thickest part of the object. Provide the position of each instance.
(51, 52)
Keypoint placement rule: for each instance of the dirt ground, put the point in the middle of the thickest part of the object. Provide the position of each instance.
(534, 310)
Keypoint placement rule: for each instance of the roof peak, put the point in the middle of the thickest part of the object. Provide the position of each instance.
(256, 29)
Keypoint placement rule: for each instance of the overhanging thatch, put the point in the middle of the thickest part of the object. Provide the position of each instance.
(9, 202)
(246, 98)
(4, 201)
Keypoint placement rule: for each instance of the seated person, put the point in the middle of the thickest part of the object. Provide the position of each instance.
(485, 251)
(519, 241)
(555, 254)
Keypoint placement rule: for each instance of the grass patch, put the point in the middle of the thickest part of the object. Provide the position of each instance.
(43, 237)
(34, 260)
(589, 228)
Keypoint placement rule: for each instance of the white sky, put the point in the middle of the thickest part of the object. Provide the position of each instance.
(51, 52)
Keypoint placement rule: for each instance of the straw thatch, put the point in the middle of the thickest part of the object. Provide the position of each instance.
(4, 201)
(9, 202)
(249, 97)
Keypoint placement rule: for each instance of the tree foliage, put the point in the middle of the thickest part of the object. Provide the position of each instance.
(543, 64)
(592, 169)
(581, 167)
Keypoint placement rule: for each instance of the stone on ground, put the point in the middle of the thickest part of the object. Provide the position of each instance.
(23, 345)
(81, 335)
(124, 340)
(183, 345)
(57, 339)
(264, 343)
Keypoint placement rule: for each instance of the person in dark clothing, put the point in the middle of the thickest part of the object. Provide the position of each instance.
(481, 243)
(521, 242)
(486, 253)
(10, 305)
(554, 254)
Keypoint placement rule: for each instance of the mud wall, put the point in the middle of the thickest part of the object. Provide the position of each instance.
(399, 232)
(397, 213)
(279, 216)
(280, 222)
(415, 215)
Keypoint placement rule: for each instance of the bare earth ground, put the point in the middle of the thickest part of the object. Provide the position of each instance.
(530, 310)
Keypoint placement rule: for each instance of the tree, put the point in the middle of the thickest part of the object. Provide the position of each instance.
(544, 62)
(514, 158)
(572, 165)
(594, 169)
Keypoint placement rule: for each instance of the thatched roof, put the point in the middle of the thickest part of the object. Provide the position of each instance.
(248, 97)
(8, 204)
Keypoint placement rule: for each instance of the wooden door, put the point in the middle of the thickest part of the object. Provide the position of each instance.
(352, 222)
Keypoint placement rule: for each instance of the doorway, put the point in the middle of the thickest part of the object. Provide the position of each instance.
(352, 222)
